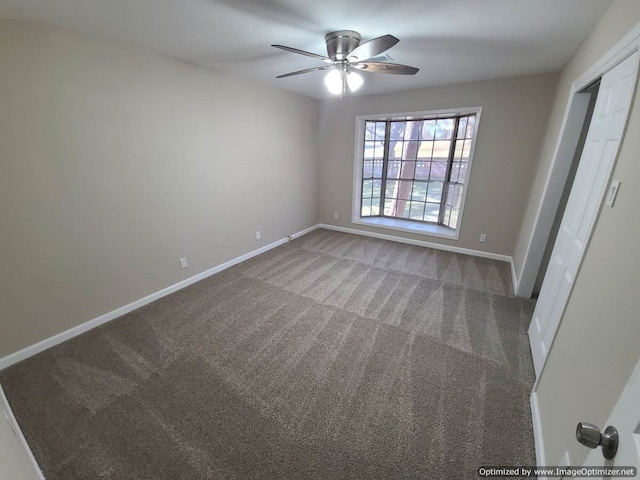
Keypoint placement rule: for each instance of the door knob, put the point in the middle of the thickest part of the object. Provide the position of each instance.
(589, 435)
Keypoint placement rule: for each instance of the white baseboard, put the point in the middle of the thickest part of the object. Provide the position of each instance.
(118, 312)
(514, 278)
(4, 404)
(420, 243)
(537, 431)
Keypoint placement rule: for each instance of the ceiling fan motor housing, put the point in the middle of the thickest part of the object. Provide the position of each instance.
(341, 43)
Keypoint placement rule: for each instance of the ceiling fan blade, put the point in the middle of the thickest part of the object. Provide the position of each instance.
(305, 71)
(373, 47)
(302, 52)
(383, 67)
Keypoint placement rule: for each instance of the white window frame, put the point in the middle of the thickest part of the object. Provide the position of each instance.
(398, 224)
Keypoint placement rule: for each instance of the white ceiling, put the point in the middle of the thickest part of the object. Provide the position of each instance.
(451, 41)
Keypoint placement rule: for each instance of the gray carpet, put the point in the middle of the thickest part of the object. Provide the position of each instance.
(333, 356)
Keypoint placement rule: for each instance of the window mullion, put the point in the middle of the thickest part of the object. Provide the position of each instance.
(385, 163)
(447, 176)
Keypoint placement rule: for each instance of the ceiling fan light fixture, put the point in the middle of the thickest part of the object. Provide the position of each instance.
(354, 81)
(333, 81)
(345, 53)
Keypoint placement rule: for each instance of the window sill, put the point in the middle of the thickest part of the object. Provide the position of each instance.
(407, 226)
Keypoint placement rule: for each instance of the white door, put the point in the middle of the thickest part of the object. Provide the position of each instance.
(598, 156)
(626, 418)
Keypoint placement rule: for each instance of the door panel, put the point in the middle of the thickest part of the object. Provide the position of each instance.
(592, 177)
(626, 418)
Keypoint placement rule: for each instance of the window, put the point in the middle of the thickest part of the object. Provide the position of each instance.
(411, 170)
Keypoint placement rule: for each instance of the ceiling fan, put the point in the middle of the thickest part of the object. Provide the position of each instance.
(345, 55)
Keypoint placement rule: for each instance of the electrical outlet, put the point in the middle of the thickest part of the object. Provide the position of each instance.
(258, 235)
(483, 237)
(183, 262)
(335, 215)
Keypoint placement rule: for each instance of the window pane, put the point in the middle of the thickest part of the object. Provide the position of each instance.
(431, 212)
(393, 169)
(455, 208)
(389, 207)
(422, 170)
(471, 123)
(397, 131)
(370, 130)
(390, 190)
(379, 151)
(455, 170)
(449, 195)
(404, 190)
(408, 170)
(375, 206)
(380, 130)
(416, 211)
(462, 178)
(438, 170)
(447, 216)
(412, 130)
(453, 221)
(441, 150)
(366, 189)
(367, 171)
(454, 195)
(426, 150)
(377, 168)
(395, 150)
(466, 151)
(428, 130)
(462, 128)
(377, 187)
(457, 155)
(366, 207)
(457, 196)
(444, 128)
(435, 192)
(419, 192)
(369, 148)
(410, 150)
(402, 209)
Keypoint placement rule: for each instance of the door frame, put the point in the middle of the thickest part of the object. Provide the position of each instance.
(561, 160)
(552, 192)
(604, 140)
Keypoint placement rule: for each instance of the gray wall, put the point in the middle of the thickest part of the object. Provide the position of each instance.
(514, 118)
(603, 308)
(116, 162)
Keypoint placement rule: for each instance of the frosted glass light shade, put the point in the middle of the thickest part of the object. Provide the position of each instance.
(354, 81)
(333, 81)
